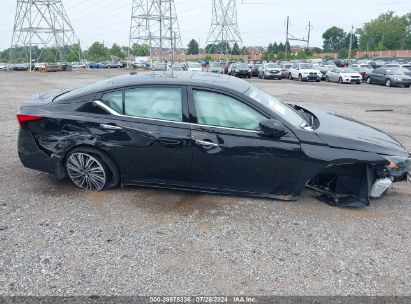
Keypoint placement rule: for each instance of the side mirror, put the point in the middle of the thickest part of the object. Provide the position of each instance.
(273, 128)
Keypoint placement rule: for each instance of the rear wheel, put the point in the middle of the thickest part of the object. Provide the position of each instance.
(407, 86)
(91, 169)
(388, 83)
(327, 78)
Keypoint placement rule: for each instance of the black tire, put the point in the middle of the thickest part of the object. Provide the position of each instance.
(388, 83)
(290, 76)
(111, 172)
(340, 81)
(327, 78)
(407, 86)
(300, 77)
(264, 76)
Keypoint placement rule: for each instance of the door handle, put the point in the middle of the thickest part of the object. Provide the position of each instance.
(204, 143)
(110, 127)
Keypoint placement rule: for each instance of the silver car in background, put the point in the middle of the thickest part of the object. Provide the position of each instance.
(343, 75)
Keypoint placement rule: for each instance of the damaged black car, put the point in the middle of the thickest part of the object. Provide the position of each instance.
(205, 132)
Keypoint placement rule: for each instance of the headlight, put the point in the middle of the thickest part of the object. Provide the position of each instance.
(305, 73)
(398, 79)
(249, 70)
(237, 71)
(398, 165)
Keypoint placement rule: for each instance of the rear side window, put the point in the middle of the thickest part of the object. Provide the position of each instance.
(157, 103)
(114, 100)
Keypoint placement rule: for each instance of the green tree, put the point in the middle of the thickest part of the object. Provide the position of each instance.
(140, 50)
(244, 51)
(193, 48)
(98, 52)
(386, 32)
(117, 51)
(335, 38)
(236, 49)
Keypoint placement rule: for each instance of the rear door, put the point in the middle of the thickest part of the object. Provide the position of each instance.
(147, 133)
(229, 151)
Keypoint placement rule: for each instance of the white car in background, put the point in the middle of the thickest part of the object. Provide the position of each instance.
(304, 72)
(343, 75)
(3, 67)
(194, 67)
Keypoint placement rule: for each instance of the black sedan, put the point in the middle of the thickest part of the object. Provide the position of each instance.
(241, 70)
(389, 77)
(205, 132)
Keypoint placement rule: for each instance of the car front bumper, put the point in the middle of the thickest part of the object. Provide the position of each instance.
(400, 82)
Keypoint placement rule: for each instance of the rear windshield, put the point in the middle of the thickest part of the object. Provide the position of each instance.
(93, 87)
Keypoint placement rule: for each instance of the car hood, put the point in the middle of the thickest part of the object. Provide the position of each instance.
(344, 132)
(350, 74)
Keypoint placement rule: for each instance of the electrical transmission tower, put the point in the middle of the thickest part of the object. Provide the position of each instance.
(40, 26)
(224, 31)
(154, 23)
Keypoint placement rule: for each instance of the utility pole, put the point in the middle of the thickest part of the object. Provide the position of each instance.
(309, 34)
(350, 48)
(286, 36)
(154, 23)
(39, 25)
(224, 31)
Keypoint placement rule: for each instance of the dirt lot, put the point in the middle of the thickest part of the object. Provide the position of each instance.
(58, 240)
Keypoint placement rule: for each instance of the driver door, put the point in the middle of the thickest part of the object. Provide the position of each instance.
(230, 153)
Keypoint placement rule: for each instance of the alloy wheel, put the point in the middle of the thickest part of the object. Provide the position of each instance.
(388, 83)
(86, 171)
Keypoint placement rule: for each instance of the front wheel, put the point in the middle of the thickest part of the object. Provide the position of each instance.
(340, 81)
(327, 79)
(290, 76)
(300, 77)
(388, 83)
(368, 80)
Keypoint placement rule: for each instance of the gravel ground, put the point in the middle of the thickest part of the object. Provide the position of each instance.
(58, 240)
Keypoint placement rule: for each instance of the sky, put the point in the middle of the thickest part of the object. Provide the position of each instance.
(260, 21)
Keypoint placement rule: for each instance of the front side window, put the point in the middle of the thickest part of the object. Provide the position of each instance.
(216, 109)
(157, 103)
(114, 100)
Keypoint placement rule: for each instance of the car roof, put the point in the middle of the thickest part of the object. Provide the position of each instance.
(161, 78)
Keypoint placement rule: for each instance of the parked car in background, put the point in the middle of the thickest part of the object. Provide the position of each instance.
(194, 67)
(187, 131)
(141, 65)
(95, 65)
(363, 71)
(407, 66)
(254, 69)
(160, 67)
(227, 66)
(177, 67)
(3, 67)
(285, 69)
(77, 65)
(389, 77)
(215, 67)
(20, 67)
(405, 70)
(241, 69)
(343, 75)
(304, 72)
(392, 65)
(270, 71)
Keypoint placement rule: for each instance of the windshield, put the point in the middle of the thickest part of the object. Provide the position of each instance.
(283, 110)
(194, 65)
(306, 66)
(214, 64)
(272, 65)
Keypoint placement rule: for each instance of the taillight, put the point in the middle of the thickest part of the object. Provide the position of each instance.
(23, 117)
